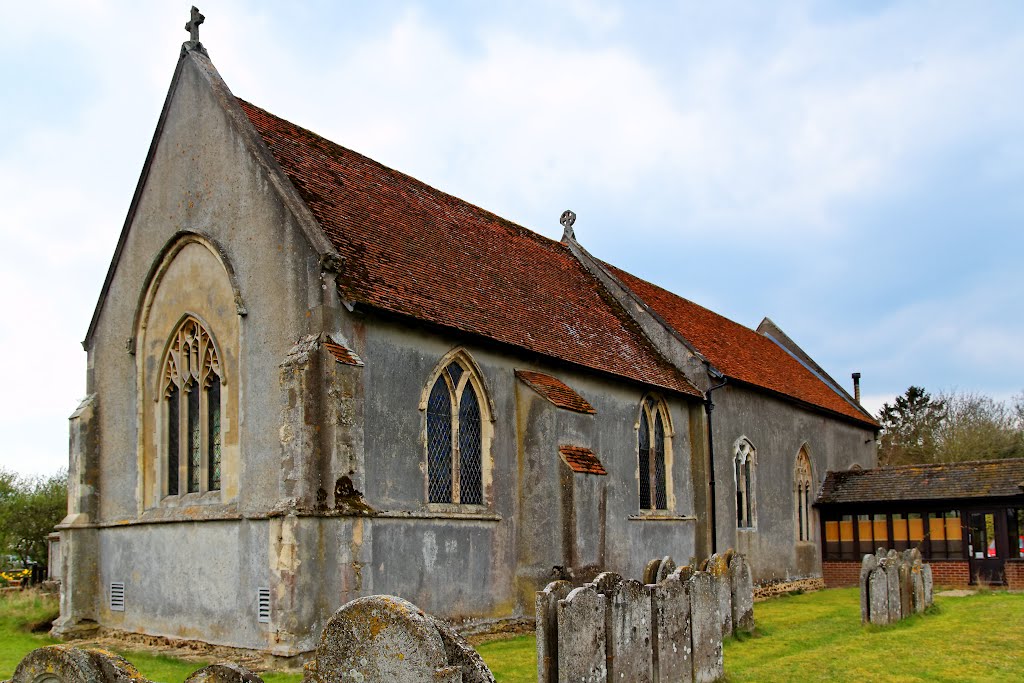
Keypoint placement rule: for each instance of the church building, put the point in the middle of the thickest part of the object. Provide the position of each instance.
(311, 378)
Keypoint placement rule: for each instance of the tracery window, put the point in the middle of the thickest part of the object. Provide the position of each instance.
(745, 458)
(192, 381)
(803, 483)
(455, 444)
(651, 455)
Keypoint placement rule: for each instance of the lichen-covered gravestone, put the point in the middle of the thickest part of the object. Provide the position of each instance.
(628, 633)
(878, 592)
(546, 604)
(867, 565)
(225, 672)
(719, 571)
(382, 638)
(742, 593)
(581, 637)
(667, 566)
(651, 570)
(706, 618)
(891, 565)
(917, 585)
(929, 594)
(66, 664)
(906, 590)
(670, 615)
(604, 582)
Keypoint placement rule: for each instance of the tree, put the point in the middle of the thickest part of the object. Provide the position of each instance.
(910, 428)
(29, 510)
(977, 427)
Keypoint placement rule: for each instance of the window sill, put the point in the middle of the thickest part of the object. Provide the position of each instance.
(480, 516)
(184, 500)
(661, 518)
(747, 529)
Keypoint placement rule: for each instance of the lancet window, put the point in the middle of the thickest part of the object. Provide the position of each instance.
(192, 381)
(745, 459)
(455, 444)
(803, 483)
(652, 447)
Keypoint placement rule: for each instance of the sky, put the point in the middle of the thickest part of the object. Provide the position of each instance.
(852, 170)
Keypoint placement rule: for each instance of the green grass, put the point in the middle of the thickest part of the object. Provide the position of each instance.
(811, 637)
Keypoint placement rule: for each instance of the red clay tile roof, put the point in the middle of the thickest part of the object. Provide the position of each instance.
(410, 249)
(979, 479)
(555, 391)
(581, 460)
(738, 351)
(341, 353)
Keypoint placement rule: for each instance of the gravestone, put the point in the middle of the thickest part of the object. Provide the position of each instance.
(581, 637)
(66, 664)
(917, 586)
(381, 638)
(719, 571)
(670, 620)
(651, 571)
(461, 654)
(684, 573)
(741, 585)
(706, 625)
(929, 593)
(877, 589)
(546, 609)
(892, 577)
(906, 590)
(604, 582)
(666, 567)
(628, 633)
(224, 672)
(867, 565)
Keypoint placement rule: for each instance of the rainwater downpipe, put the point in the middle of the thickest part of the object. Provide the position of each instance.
(709, 405)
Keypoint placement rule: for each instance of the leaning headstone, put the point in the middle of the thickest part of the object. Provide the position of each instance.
(877, 589)
(929, 594)
(723, 587)
(670, 627)
(66, 664)
(706, 618)
(741, 585)
(604, 582)
(380, 638)
(906, 590)
(867, 565)
(461, 654)
(581, 637)
(651, 570)
(891, 565)
(667, 566)
(628, 633)
(546, 604)
(224, 672)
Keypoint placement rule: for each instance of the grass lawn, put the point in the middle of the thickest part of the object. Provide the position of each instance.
(811, 637)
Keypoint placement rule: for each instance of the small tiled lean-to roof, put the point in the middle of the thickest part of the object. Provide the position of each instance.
(413, 250)
(555, 391)
(342, 354)
(582, 460)
(979, 479)
(740, 352)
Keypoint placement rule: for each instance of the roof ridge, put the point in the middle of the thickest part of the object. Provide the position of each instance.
(957, 463)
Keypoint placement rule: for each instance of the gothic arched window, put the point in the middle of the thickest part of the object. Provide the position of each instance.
(803, 482)
(653, 443)
(745, 459)
(455, 435)
(192, 410)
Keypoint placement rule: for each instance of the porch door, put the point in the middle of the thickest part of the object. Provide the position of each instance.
(986, 546)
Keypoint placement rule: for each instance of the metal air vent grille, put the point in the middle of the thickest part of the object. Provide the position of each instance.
(117, 597)
(263, 605)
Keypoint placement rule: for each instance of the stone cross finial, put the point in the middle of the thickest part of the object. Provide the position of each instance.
(193, 33)
(567, 219)
(193, 25)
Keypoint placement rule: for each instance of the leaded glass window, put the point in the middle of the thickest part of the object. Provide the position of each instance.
(803, 483)
(744, 460)
(192, 380)
(455, 456)
(652, 447)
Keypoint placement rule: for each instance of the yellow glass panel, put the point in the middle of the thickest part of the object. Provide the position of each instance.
(953, 530)
(832, 532)
(881, 530)
(864, 530)
(937, 529)
(916, 529)
(899, 529)
(846, 530)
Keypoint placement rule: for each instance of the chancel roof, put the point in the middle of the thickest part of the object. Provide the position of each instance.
(740, 352)
(410, 249)
(978, 479)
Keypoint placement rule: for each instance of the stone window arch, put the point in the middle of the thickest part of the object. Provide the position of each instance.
(745, 461)
(654, 453)
(803, 483)
(192, 408)
(458, 433)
